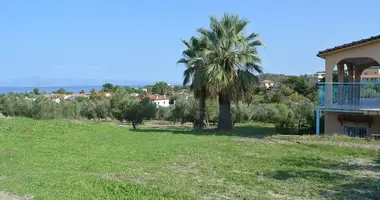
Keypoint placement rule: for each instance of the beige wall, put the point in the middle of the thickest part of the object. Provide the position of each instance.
(368, 50)
(332, 125)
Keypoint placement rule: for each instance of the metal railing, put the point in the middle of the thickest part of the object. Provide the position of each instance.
(349, 95)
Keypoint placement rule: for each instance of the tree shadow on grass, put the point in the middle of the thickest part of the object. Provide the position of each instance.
(254, 131)
(337, 178)
(354, 187)
(327, 164)
(317, 175)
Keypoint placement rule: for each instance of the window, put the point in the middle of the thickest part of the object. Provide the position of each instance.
(355, 131)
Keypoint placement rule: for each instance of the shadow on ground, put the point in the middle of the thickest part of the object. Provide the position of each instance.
(337, 183)
(306, 162)
(244, 131)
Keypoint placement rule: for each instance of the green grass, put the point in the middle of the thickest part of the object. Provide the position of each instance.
(67, 160)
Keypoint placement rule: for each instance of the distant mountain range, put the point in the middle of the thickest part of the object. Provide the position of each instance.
(43, 81)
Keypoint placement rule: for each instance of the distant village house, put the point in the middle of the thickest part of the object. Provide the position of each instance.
(57, 97)
(267, 84)
(159, 100)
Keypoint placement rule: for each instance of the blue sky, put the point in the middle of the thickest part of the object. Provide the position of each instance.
(140, 40)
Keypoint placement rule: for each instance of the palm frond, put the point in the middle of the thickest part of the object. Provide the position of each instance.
(254, 68)
(230, 58)
(182, 61)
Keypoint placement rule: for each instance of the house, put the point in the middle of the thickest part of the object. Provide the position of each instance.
(267, 84)
(351, 108)
(134, 94)
(320, 75)
(56, 97)
(159, 100)
(105, 94)
(30, 99)
(371, 74)
(74, 96)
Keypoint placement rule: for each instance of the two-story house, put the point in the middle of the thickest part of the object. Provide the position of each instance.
(159, 100)
(352, 107)
(371, 75)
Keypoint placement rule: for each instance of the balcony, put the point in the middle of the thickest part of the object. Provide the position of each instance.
(349, 96)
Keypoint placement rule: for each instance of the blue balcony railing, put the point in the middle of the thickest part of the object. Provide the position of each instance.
(348, 95)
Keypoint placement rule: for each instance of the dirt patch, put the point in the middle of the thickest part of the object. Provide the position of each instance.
(9, 196)
(272, 141)
(124, 177)
(78, 122)
(295, 141)
(7, 149)
(132, 162)
(190, 169)
(352, 145)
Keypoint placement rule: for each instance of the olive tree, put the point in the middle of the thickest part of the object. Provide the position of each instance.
(241, 112)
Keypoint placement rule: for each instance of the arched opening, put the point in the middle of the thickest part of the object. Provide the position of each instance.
(352, 69)
(356, 65)
(355, 82)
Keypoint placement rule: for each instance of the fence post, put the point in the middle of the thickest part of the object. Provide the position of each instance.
(318, 118)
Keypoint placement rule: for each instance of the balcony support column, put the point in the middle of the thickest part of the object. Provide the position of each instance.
(329, 67)
(341, 84)
(358, 73)
(350, 79)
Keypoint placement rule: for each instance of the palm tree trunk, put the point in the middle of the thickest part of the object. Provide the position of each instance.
(224, 121)
(202, 112)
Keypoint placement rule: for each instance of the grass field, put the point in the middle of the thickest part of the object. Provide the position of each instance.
(73, 160)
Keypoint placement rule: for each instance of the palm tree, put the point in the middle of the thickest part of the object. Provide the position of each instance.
(194, 62)
(232, 60)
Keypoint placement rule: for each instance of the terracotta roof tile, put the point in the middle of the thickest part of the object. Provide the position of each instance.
(157, 97)
(79, 95)
(353, 43)
(370, 76)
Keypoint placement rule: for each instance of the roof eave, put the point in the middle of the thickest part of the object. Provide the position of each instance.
(322, 54)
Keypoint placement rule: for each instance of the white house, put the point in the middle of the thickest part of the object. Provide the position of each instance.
(267, 84)
(56, 97)
(159, 100)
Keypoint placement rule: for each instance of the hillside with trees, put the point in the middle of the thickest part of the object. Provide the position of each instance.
(221, 86)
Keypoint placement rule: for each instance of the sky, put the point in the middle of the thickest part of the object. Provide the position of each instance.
(141, 40)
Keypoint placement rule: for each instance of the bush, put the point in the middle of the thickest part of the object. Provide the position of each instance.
(282, 116)
(273, 97)
(285, 90)
(70, 109)
(185, 110)
(164, 113)
(241, 112)
(46, 109)
(369, 93)
(260, 113)
(212, 110)
(137, 112)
